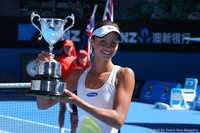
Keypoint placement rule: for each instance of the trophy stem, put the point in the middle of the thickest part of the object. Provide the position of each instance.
(51, 51)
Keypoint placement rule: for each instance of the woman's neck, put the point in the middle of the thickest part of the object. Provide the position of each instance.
(100, 67)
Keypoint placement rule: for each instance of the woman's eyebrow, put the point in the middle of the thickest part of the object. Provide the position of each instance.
(116, 40)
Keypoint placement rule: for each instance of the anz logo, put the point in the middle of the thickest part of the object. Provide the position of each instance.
(128, 37)
(134, 37)
(144, 37)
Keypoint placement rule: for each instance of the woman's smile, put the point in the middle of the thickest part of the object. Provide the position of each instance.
(106, 52)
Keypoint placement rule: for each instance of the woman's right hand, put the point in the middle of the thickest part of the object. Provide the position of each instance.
(44, 56)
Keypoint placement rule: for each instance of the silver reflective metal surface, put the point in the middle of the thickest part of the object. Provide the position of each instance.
(51, 28)
(57, 87)
(50, 68)
(49, 81)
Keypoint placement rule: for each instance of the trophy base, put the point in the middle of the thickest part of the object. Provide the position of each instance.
(46, 94)
(47, 86)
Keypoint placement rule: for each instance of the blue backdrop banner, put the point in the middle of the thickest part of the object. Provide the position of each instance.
(157, 91)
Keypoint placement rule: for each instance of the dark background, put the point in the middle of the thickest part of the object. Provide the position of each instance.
(150, 61)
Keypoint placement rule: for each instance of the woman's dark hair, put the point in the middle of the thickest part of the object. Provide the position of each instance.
(92, 55)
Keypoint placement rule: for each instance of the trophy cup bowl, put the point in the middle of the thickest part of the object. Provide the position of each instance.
(49, 82)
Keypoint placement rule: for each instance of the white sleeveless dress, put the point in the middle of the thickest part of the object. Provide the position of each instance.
(102, 98)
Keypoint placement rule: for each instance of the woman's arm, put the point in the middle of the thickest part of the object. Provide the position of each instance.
(46, 102)
(125, 83)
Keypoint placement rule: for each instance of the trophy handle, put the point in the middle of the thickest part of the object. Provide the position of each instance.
(71, 17)
(32, 17)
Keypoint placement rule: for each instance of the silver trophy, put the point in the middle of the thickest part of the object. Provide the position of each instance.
(48, 81)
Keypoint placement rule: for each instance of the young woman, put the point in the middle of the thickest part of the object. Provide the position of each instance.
(104, 90)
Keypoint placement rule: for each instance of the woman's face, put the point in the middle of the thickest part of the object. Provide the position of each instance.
(68, 50)
(82, 59)
(106, 47)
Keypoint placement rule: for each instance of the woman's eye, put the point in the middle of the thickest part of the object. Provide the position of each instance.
(103, 41)
(114, 43)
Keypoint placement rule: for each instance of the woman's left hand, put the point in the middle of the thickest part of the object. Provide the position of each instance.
(71, 97)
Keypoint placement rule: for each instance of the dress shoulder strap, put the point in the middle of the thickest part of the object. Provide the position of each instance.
(113, 75)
